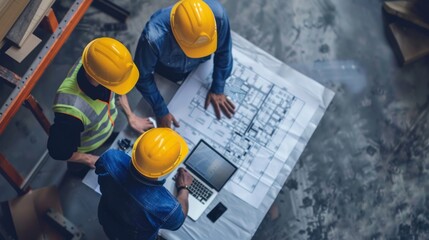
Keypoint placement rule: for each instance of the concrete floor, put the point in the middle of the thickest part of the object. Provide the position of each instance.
(364, 173)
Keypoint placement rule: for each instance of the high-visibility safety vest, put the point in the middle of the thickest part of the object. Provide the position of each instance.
(98, 117)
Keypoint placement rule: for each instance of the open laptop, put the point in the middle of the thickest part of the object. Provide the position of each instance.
(211, 171)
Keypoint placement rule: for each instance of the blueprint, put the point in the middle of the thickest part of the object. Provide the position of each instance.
(271, 115)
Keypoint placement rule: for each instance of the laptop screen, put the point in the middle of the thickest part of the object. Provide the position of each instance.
(209, 165)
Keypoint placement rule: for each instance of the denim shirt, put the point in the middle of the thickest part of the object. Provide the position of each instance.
(157, 49)
(133, 207)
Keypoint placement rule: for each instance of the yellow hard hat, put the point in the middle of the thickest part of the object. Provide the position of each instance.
(158, 151)
(194, 28)
(108, 62)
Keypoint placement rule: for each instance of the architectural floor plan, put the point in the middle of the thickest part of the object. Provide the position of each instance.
(271, 114)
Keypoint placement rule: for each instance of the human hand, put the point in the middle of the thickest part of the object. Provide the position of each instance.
(89, 159)
(139, 124)
(84, 158)
(220, 103)
(165, 121)
(183, 178)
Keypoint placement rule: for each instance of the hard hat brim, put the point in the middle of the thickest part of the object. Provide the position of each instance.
(201, 51)
(128, 84)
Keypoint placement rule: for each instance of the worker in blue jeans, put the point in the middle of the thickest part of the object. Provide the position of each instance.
(175, 41)
(134, 204)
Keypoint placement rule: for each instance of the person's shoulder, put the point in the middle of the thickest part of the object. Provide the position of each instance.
(112, 161)
(113, 155)
(216, 7)
(157, 28)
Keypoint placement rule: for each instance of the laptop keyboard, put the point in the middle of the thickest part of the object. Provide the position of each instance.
(199, 191)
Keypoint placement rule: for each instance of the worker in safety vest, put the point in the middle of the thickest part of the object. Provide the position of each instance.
(85, 108)
(175, 41)
(134, 204)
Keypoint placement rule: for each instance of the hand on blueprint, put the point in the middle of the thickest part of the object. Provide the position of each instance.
(220, 103)
(165, 121)
(183, 178)
(139, 124)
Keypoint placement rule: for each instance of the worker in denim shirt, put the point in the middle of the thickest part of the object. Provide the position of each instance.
(175, 41)
(134, 204)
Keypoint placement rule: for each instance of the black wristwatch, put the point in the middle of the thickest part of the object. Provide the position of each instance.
(182, 187)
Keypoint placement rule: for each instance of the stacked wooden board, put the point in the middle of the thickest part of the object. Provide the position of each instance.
(10, 10)
(20, 34)
(411, 33)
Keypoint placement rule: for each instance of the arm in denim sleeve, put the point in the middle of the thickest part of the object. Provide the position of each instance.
(109, 157)
(100, 170)
(146, 58)
(222, 57)
(176, 220)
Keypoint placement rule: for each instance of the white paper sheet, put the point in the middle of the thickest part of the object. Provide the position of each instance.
(271, 115)
(90, 180)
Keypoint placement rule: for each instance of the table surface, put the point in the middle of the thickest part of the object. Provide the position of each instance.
(241, 220)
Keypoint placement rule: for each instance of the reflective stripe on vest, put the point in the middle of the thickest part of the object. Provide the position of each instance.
(98, 121)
